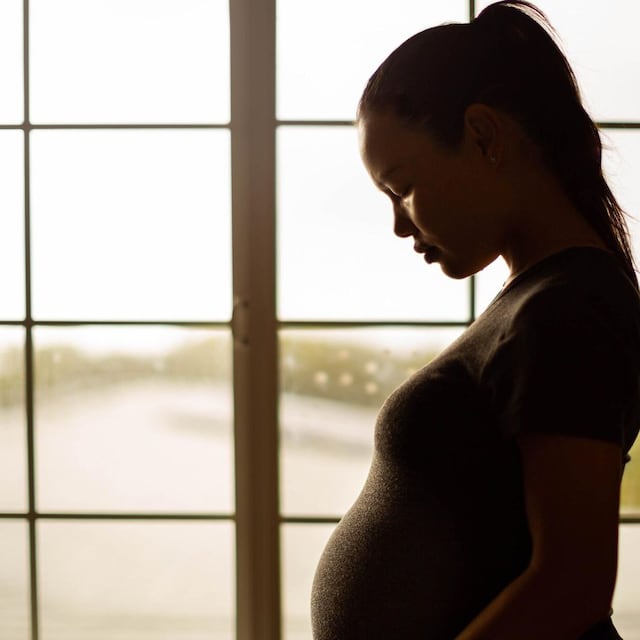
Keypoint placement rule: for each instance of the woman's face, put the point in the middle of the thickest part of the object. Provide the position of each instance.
(446, 200)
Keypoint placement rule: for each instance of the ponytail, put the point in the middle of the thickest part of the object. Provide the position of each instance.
(508, 58)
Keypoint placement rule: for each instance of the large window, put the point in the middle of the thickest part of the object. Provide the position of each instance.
(203, 306)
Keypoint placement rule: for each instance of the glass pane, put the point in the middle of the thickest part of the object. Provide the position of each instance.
(134, 419)
(11, 62)
(13, 439)
(333, 383)
(14, 581)
(302, 546)
(129, 61)
(338, 258)
(326, 51)
(626, 600)
(489, 281)
(12, 291)
(621, 160)
(600, 41)
(136, 581)
(131, 224)
(630, 497)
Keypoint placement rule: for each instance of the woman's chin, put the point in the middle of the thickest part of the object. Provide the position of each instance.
(454, 270)
(460, 269)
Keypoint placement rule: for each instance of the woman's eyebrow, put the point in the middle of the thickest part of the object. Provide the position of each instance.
(385, 175)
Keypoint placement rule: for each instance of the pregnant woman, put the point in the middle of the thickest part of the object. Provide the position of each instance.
(491, 507)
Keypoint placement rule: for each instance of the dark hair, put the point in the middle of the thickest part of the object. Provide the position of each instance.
(508, 58)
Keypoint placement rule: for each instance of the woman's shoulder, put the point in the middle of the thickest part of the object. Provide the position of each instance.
(568, 357)
(574, 285)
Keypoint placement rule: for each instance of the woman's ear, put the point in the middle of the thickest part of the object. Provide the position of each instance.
(483, 130)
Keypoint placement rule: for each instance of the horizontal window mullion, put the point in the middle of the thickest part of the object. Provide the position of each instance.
(338, 324)
(118, 516)
(205, 324)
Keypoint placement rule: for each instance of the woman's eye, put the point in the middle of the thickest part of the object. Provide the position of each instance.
(399, 194)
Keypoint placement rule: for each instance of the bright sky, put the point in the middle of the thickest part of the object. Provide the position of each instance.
(136, 224)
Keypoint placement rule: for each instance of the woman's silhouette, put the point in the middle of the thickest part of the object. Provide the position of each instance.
(491, 508)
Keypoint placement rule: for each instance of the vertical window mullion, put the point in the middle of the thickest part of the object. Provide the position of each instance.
(255, 327)
(29, 373)
(472, 279)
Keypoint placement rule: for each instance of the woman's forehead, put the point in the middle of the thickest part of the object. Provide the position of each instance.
(386, 144)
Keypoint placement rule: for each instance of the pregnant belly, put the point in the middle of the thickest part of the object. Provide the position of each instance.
(403, 567)
(385, 576)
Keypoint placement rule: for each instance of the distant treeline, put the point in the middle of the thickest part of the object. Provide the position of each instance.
(348, 372)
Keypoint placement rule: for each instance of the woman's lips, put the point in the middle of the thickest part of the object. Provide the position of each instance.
(430, 255)
(430, 252)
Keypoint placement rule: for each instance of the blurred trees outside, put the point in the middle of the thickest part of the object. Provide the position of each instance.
(348, 372)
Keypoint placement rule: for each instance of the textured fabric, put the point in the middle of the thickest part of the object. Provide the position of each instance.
(440, 527)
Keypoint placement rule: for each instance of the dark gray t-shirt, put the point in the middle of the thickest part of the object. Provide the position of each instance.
(440, 527)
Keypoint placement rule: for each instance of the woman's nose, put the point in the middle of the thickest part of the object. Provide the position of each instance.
(402, 225)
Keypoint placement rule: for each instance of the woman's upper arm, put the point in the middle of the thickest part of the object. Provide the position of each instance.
(572, 493)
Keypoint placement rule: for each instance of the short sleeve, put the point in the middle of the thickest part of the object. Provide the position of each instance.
(568, 364)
